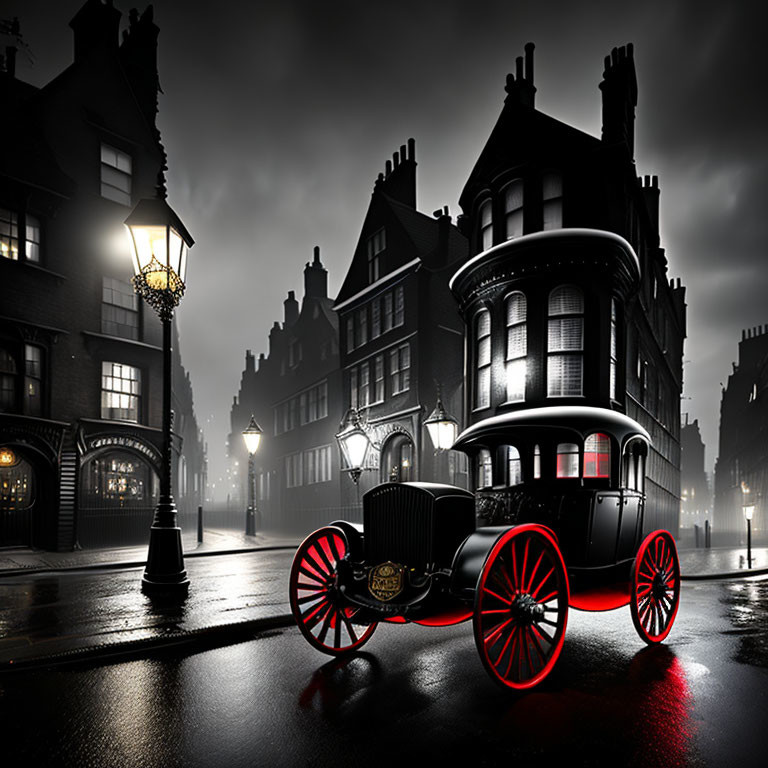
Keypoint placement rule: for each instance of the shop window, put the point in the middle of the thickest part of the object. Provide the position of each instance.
(597, 456)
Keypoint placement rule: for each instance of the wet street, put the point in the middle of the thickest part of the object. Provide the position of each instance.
(415, 694)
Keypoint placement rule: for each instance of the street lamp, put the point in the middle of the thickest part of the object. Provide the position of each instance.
(749, 510)
(354, 443)
(441, 427)
(252, 437)
(159, 245)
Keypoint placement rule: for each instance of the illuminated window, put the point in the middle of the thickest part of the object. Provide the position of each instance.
(514, 470)
(536, 462)
(486, 225)
(9, 235)
(567, 460)
(119, 309)
(120, 392)
(484, 469)
(116, 168)
(513, 208)
(597, 456)
(17, 486)
(517, 346)
(565, 342)
(375, 245)
(400, 368)
(552, 201)
(483, 359)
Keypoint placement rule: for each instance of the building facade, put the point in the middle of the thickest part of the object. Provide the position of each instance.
(80, 354)
(741, 469)
(401, 342)
(294, 393)
(567, 298)
(695, 494)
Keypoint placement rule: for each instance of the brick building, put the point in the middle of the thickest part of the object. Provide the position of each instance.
(80, 354)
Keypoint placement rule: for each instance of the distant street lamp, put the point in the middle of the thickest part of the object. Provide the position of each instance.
(749, 510)
(252, 437)
(159, 246)
(354, 443)
(441, 427)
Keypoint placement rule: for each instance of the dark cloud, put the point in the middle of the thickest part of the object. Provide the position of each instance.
(277, 117)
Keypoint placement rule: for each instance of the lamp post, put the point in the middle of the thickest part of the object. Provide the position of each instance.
(354, 443)
(252, 437)
(159, 246)
(749, 510)
(441, 427)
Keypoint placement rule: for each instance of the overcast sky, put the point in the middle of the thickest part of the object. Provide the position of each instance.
(277, 117)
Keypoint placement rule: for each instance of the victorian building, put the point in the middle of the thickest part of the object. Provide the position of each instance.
(567, 298)
(401, 336)
(80, 354)
(294, 393)
(741, 470)
(695, 494)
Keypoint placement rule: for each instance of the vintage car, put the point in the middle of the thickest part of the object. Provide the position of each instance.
(563, 529)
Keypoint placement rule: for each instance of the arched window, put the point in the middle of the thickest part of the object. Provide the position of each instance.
(483, 359)
(513, 208)
(536, 462)
(514, 470)
(567, 460)
(552, 201)
(486, 225)
(517, 346)
(597, 456)
(484, 469)
(397, 459)
(565, 342)
(8, 374)
(634, 465)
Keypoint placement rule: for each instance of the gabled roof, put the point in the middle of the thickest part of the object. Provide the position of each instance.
(523, 135)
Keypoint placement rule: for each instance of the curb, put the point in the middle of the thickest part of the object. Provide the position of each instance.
(205, 637)
(730, 575)
(125, 564)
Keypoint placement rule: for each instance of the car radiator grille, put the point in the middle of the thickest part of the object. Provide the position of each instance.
(398, 526)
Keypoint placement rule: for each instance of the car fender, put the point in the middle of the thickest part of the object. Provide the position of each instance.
(471, 556)
(354, 534)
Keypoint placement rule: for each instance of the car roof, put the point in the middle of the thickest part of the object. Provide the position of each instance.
(530, 423)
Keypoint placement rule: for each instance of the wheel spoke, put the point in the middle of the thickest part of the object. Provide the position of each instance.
(510, 635)
(322, 549)
(326, 625)
(318, 594)
(541, 584)
(525, 564)
(316, 565)
(350, 628)
(514, 566)
(537, 645)
(496, 630)
(498, 597)
(338, 551)
(312, 577)
(503, 570)
(533, 573)
(544, 633)
(549, 597)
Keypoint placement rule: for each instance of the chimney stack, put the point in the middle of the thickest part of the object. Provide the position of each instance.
(520, 88)
(95, 27)
(619, 89)
(399, 180)
(291, 307)
(315, 278)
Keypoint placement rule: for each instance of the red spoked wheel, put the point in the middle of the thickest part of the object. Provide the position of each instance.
(521, 607)
(655, 587)
(325, 619)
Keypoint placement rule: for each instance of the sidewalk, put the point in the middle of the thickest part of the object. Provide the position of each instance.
(63, 607)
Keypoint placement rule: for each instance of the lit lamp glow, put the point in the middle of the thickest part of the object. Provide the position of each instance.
(441, 427)
(354, 443)
(7, 458)
(252, 437)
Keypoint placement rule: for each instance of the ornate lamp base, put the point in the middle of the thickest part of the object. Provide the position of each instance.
(165, 573)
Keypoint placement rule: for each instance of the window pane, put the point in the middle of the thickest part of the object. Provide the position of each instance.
(516, 341)
(484, 469)
(564, 375)
(514, 470)
(120, 392)
(552, 214)
(566, 334)
(552, 186)
(566, 300)
(513, 197)
(597, 456)
(516, 377)
(516, 308)
(567, 460)
(483, 324)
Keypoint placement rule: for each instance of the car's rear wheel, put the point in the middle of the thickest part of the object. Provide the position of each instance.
(521, 607)
(655, 587)
(324, 617)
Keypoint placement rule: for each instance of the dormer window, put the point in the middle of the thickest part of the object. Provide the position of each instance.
(552, 201)
(486, 225)
(376, 244)
(116, 170)
(513, 208)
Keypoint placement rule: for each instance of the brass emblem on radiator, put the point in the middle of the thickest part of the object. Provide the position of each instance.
(385, 581)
